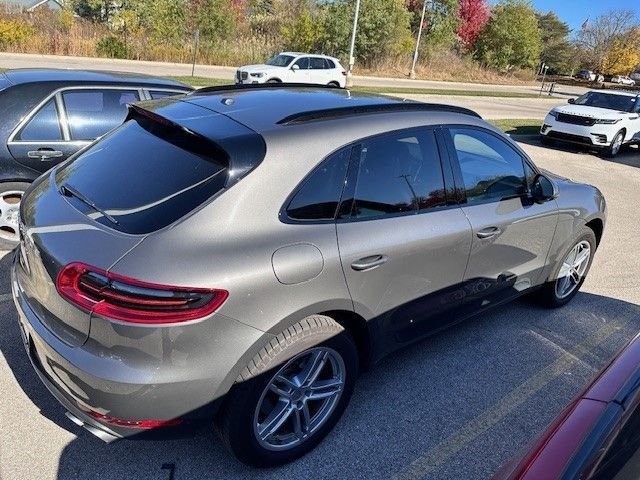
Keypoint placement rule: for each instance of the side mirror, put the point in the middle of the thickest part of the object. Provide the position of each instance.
(543, 189)
(572, 101)
(295, 67)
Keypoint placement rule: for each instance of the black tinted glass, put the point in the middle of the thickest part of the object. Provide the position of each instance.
(611, 101)
(303, 63)
(44, 125)
(145, 175)
(398, 173)
(319, 195)
(491, 169)
(280, 60)
(329, 63)
(317, 63)
(92, 113)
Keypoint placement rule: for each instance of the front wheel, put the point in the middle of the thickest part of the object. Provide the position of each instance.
(570, 273)
(616, 145)
(289, 397)
(11, 194)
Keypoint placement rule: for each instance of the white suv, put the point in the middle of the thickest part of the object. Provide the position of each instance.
(605, 119)
(294, 67)
(622, 80)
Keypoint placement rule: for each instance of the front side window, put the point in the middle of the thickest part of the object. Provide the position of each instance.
(398, 173)
(491, 169)
(43, 126)
(319, 195)
(280, 60)
(92, 113)
(303, 63)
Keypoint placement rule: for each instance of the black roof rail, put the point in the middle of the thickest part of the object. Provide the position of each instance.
(331, 113)
(258, 86)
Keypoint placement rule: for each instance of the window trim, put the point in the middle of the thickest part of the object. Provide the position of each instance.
(352, 181)
(62, 113)
(147, 92)
(457, 171)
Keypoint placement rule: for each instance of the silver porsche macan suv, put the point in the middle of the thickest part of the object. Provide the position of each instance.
(240, 253)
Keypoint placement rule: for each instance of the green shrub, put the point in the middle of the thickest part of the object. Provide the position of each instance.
(14, 32)
(111, 47)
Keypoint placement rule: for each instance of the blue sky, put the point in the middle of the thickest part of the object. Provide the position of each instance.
(575, 12)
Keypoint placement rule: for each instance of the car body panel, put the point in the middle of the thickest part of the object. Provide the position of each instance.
(582, 129)
(28, 89)
(261, 73)
(230, 241)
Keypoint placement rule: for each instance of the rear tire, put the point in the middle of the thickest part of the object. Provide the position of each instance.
(11, 194)
(273, 80)
(272, 383)
(333, 84)
(552, 294)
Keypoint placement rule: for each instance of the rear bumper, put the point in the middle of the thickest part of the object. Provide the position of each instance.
(97, 381)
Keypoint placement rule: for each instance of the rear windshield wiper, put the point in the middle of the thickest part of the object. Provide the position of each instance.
(68, 191)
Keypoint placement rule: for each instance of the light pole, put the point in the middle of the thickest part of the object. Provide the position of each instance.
(412, 74)
(352, 59)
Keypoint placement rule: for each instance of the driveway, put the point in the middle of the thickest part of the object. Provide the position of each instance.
(456, 405)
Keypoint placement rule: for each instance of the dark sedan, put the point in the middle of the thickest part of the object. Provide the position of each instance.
(597, 437)
(48, 115)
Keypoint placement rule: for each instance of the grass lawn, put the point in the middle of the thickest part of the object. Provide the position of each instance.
(518, 126)
(206, 82)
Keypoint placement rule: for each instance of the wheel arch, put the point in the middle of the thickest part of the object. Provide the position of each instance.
(597, 225)
(359, 330)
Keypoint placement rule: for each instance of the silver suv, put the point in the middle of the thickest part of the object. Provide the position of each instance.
(241, 253)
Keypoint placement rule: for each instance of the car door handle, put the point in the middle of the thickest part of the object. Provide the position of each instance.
(367, 263)
(488, 232)
(44, 153)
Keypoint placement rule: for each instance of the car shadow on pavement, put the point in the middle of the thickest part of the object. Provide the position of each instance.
(414, 401)
(629, 155)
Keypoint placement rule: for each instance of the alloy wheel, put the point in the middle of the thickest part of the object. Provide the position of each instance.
(9, 212)
(299, 398)
(573, 269)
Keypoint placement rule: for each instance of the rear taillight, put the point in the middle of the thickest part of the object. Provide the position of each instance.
(141, 424)
(122, 298)
(344, 73)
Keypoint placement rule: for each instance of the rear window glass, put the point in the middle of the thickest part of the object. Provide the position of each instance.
(145, 176)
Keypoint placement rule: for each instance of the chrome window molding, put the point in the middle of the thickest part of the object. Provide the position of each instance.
(62, 113)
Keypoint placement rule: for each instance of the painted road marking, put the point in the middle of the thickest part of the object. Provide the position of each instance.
(450, 446)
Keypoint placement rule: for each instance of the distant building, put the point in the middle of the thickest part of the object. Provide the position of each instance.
(21, 6)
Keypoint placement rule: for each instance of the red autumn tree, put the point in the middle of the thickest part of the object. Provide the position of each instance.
(474, 15)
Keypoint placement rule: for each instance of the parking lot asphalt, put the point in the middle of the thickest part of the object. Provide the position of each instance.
(455, 406)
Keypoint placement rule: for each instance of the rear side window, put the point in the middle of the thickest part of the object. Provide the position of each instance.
(399, 173)
(317, 63)
(491, 169)
(43, 126)
(92, 113)
(145, 176)
(156, 94)
(319, 195)
(329, 64)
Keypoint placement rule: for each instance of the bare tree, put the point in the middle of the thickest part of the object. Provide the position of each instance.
(597, 37)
